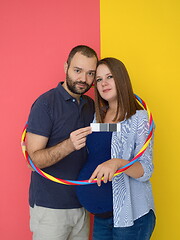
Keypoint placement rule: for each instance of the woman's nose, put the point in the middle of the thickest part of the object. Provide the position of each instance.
(104, 82)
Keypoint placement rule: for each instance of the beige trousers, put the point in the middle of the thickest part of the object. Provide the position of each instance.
(59, 224)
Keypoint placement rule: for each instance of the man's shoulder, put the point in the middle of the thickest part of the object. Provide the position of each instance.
(48, 93)
(46, 97)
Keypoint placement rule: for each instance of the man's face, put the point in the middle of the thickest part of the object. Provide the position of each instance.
(80, 74)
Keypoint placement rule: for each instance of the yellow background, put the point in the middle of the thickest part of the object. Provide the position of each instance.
(145, 35)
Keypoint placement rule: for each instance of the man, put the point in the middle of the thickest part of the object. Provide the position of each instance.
(57, 128)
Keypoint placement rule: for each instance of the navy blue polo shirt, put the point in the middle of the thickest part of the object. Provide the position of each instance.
(55, 114)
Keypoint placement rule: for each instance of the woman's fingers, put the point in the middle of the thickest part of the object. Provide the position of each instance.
(105, 171)
(100, 174)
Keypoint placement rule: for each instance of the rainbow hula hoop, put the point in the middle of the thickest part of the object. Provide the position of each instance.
(85, 182)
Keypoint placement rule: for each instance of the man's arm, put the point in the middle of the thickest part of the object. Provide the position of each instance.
(44, 157)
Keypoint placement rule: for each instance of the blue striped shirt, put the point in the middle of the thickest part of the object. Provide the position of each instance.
(132, 198)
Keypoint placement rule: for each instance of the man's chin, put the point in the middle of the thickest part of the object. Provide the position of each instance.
(78, 90)
(82, 90)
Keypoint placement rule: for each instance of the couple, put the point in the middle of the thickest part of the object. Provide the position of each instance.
(58, 127)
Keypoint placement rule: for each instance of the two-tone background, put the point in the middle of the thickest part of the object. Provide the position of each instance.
(35, 39)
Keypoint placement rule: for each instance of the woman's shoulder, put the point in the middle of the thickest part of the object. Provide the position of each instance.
(141, 114)
(140, 118)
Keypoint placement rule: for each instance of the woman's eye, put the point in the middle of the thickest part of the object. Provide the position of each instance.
(98, 80)
(110, 76)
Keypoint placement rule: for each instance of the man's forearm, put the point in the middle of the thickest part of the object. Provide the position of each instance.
(49, 156)
(44, 157)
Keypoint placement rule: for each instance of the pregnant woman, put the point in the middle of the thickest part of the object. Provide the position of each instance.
(123, 205)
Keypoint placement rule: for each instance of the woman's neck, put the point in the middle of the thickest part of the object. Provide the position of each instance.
(113, 106)
(111, 113)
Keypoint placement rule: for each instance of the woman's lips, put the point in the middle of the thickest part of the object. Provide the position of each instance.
(106, 90)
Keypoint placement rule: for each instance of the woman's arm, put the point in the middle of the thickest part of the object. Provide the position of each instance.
(107, 170)
(141, 170)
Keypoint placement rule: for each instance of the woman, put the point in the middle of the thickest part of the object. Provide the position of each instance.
(133, 207)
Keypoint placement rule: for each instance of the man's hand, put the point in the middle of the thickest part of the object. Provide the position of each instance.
(78, 137)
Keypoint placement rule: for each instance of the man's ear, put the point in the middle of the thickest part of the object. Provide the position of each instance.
(65, 67)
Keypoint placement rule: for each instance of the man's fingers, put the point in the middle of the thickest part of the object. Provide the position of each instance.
(83, 131)
(78, 137)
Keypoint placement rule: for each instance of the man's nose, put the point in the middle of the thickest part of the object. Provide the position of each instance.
(83, 77)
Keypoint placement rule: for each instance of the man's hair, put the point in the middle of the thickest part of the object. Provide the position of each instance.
(126, 102)
(84, 50)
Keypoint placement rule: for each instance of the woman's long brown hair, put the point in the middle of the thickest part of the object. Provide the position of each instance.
(126, 102)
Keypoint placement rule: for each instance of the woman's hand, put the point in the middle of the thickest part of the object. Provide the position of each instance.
(106, 170)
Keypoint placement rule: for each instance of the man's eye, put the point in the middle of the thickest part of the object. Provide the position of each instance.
(77, 70)
(91, 74)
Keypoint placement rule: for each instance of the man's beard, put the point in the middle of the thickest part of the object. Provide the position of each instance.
(72, 86)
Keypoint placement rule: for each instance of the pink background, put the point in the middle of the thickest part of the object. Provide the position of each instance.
(35, 39)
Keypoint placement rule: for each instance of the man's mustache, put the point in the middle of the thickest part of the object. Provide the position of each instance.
(83, 83)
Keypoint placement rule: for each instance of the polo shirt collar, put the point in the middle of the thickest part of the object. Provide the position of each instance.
(66, 95)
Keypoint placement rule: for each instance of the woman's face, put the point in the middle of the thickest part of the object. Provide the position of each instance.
(105, 83)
